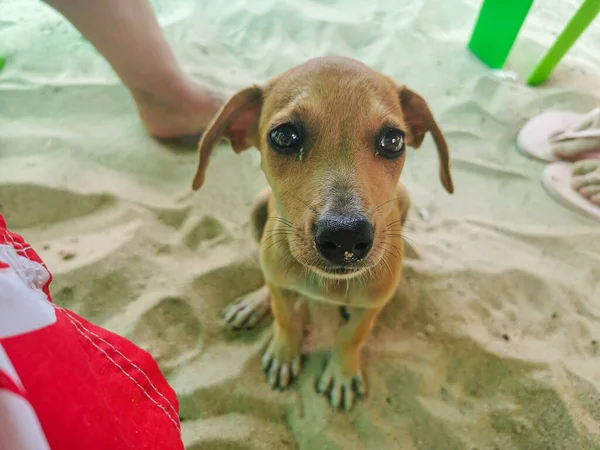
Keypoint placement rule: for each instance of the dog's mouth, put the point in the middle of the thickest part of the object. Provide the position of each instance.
(338, 272)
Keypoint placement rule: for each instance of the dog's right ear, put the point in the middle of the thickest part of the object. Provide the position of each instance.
(236, 121)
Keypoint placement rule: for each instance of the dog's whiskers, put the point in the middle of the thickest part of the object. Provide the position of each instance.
(274, 235)
(399, 252)
(301, 200)
(304, 202)
(276, 242)
(282, 220)
(402, 236)
(388, 112)
(372, 212)
(387, 94)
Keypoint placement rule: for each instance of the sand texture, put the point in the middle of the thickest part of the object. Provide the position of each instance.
(493, 340)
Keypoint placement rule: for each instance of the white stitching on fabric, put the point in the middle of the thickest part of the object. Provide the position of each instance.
(66, 311)
(75, 325)
(10, 240)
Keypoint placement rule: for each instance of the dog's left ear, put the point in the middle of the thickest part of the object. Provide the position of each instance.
(419, 120)
(237, 121)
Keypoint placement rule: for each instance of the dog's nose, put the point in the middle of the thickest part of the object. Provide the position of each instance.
(343, 239)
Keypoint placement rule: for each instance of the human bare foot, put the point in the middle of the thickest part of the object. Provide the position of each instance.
(129, 36)
(575, 185)
(586, 179)
(176, 111)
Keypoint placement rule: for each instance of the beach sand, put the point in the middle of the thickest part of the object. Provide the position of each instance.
(493, 340)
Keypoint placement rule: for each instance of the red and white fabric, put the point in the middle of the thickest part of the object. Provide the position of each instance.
(65, 383)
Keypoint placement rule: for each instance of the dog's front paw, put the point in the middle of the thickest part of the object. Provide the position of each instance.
(248, 311)
(281, 362)
(342, 382)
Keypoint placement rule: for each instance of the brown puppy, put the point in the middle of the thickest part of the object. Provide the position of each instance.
(332, 135)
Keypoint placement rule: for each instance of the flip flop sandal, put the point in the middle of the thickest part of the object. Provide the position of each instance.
(555, 135)
(557, 178)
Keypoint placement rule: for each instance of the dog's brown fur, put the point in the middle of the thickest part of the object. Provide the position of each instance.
(342, 104)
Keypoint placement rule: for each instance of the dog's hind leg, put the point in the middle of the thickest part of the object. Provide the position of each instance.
(253, 307)
(403, 202)
(259, 214)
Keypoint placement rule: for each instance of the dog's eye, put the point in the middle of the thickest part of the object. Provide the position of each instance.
(286, 138)
(390, 142)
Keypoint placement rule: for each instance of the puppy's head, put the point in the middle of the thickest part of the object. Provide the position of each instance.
(332, 135)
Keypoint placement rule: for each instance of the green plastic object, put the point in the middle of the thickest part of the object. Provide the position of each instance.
(577, 25)
(496, 30)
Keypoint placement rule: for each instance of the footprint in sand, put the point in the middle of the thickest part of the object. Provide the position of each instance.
(199, 230)
(170, 331)
(46, 205)
(216, 288)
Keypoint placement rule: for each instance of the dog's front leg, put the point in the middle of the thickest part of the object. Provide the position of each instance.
(342, 379)
(281, 362)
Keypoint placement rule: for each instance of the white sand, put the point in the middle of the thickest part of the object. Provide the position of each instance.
(492, 342)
